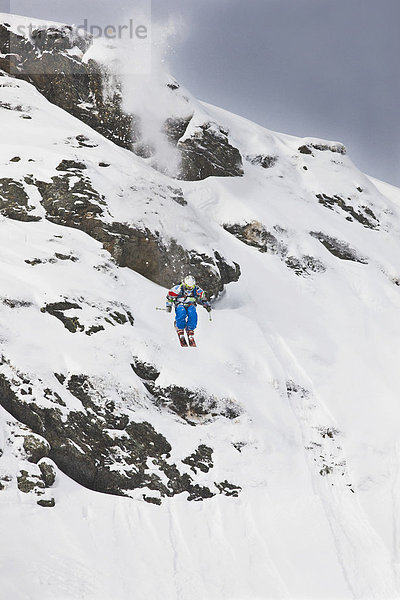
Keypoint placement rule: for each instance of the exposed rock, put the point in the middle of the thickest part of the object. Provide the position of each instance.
(199, 493)
(164, 262)
(177, 196)
(57, 309)
(63, 37)
(175, 128)
(48, 472)
(239, 445)
(16, 303)
(256, 235)
(228, 489)
(208, 152)
(30, 483)
(85, 142)
(262, 160)
(200, 460)
(144, 370)
(52, 260)
(89, 92)
(36, 448)
(305, 265)
(338, 248)
(14, 201)
(70, 200)
(335, 147)
(194, 406)
(66, 165)
(81, 88)
(305, 150)
(47, 503)
(152, 500)
(86, 444)
(111, 314)
(364, 215)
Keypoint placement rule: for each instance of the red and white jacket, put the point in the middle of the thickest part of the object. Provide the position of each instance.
(180, 295)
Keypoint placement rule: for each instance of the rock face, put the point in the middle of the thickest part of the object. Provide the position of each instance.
(65, 80)
(360, 212)
(338, 248)
(256, 235)
(14, 201)
(52, 59)
(309, 147)
(262, 160)
(207, 152)
(88, 443)
(71, 200)
(194, 406)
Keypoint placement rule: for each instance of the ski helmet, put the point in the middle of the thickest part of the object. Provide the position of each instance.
(189, 282)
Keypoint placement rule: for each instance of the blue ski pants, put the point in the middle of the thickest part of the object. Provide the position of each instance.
(186, 317)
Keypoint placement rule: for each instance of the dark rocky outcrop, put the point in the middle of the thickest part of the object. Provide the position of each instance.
(88, 91)
(47, 503)
(14, 201)
(61, 37)
(174, 128)
(48, 472)
(305, 150)
(112, 314)
(65, 80)
(208, 152)
(363, 215)
(164, 261)
(30, 483)
(205, 153)
(86, 444)
(338, 248)
(305, 265)
(144, 370)
(35, 447)
(70, 200)
(322, 147)
(194, 406)
(265, 161)
(228, 489)
(256, 235)
(200, 460)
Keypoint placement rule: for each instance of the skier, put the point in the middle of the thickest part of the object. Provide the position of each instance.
(185, 296)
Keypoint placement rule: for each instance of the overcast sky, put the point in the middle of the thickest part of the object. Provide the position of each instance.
(323, 68)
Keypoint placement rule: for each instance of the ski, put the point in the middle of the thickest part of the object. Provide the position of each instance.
(192, 341)
(182, 339)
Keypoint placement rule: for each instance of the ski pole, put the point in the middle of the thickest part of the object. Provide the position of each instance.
(158, 308)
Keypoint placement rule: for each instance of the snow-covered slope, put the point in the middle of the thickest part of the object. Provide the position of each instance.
(262, 464)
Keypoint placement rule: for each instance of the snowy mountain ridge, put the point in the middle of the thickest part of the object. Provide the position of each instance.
(262, 464)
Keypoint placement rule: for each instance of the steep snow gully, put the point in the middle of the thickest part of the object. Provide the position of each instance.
(265, 462)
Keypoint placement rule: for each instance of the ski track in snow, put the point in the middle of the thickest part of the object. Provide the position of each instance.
(366, 561)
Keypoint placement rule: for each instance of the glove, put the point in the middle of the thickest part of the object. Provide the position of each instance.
(208, 308)
(168, 309)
